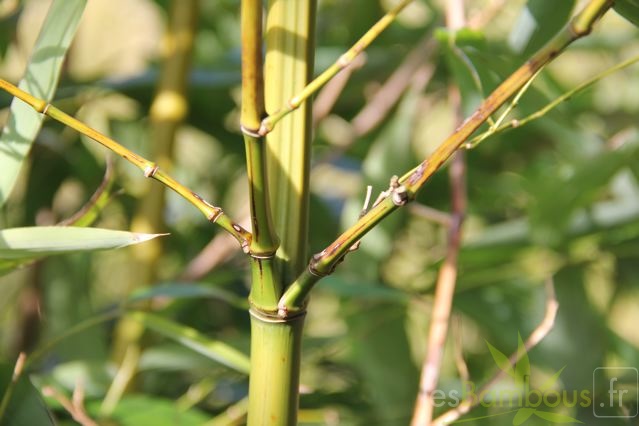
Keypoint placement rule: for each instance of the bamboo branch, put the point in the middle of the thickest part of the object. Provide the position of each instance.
(406, 188)
(447, 278)
(538, 334)
(150, 169)
(269, 122)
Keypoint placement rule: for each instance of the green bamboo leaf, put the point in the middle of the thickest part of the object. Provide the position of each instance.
(538, 22)
(134, 410)
(188, 290)
(40, 80)
(556, 417)
(191, 338)
(629, 9)
(25, 406)
(522, 415)
(501, 360)
(522, 368)
(551, 381)
(21, 245)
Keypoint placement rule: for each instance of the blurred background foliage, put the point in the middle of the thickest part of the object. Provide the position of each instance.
(556, 198)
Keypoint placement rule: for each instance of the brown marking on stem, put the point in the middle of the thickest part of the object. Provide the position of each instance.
(418, 173)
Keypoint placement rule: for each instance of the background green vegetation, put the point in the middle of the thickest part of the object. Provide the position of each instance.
(558, 198)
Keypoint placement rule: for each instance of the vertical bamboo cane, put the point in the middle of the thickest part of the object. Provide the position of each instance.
(290, 27)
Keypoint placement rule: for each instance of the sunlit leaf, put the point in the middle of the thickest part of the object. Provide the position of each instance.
(20, 245)
(40, 80)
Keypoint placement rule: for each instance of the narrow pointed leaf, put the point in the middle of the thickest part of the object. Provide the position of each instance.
(629, 9)
(522, 368)
(191, 338)
(552, 381)
(501, 360)
(522, 415)
(41, 79)
(188, 290)
(25, 406)
(21, 245)
(556, 417)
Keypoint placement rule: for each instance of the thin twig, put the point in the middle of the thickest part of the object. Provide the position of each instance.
(460, 362)
(75, 408)
(447, 278)
(327, 97)
(538, 334)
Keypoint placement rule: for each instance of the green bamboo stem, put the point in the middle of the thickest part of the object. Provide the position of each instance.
(275, 369)
(265, 288)
(289, 40)
(407, 186)
(294, 102)
(150, 169)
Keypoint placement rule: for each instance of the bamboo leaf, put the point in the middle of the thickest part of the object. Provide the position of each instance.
(501, 360)
(191, 338)
(556, 417)
(26, 406)
(40, 80)
(522, 368)
(538, 22)
(629, 9)
(21, 245)
(134, 410)
(522, 415)
(188, 290)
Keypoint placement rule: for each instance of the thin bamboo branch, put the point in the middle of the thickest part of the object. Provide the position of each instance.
(269, 122)
(447, 278)
(327, 97)
(406, 188)
(150, 169)
(75, 408)
(538, 334)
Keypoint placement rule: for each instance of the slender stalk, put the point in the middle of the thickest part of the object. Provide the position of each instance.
(265, 288)
(150, 169)
(405, 189)
(294, 102)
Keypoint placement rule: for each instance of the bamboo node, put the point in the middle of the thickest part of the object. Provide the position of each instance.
(252, 133)
(151, 170)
